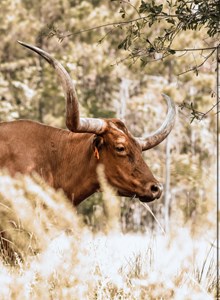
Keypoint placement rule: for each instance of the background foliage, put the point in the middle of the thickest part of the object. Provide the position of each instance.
(128, 64)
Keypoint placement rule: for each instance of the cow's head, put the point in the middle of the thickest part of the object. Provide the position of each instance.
(125, 168)
(113, 145)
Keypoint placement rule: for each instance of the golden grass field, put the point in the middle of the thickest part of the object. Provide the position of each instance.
(48, 253)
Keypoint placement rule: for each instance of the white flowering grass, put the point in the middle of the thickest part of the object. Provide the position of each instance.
(47, 253)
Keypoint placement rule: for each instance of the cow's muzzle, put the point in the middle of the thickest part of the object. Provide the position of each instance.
(153, 191)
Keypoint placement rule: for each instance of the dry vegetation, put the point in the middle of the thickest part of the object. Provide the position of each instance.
(48, 253)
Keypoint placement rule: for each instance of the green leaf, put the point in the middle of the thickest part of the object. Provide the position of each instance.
(171, 20)
(144, 7)
(125, 43)
(159, 8)
(171, 51)
(122, 12)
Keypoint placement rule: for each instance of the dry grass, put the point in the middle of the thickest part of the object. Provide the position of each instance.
(47, 253)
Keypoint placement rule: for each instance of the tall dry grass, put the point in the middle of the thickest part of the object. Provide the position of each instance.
(48, 253)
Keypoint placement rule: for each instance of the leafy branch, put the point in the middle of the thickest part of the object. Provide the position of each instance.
(177, 16)
(174, 17)
(196, 114)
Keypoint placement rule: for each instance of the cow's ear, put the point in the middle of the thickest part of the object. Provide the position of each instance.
(97, 145)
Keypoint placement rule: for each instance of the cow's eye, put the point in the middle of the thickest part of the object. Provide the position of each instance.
(120, 148)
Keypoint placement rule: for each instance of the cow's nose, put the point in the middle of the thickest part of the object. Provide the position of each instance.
(156, 189)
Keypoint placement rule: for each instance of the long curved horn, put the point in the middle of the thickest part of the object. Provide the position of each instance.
(73, 121)
(159, 135)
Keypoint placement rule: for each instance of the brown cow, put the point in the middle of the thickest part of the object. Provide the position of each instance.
(68, 159)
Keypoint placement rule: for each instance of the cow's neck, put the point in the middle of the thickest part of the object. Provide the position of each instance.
(75, 168)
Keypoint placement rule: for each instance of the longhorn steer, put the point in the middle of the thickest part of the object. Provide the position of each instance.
(68, 159)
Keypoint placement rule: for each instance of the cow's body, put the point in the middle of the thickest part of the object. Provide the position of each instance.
(68, 159)
(62, 158)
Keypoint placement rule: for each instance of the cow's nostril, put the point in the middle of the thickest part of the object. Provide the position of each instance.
(154, 188)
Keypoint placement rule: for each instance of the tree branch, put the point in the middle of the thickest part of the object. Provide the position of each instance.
(62, 35)
(195, 68)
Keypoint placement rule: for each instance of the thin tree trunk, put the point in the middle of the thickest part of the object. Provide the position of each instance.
(167, 196)
(167, 186)
(124, 95)
(40, 43)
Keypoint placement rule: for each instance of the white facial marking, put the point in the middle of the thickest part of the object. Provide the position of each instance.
(115, 127)
(121, 140)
